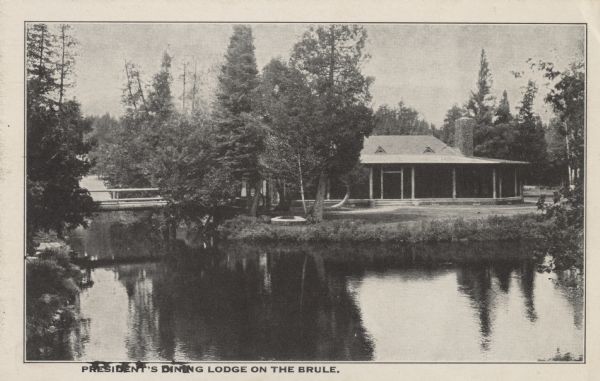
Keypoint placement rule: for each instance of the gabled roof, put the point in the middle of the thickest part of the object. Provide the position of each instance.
(407, 145)
(417, 149)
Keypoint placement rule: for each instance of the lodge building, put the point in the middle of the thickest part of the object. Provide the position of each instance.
(420, 169)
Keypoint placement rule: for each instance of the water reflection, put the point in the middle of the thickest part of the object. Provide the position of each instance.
(299, 304)
(445, 302)
(243, 307)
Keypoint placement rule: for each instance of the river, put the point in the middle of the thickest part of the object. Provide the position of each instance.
(463, 302)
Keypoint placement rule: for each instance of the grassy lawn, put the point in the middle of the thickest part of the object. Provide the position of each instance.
(429, 212)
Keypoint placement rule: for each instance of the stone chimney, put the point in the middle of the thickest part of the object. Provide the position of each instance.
(463, 135)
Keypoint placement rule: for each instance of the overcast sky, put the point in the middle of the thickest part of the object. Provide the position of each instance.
(429, 67)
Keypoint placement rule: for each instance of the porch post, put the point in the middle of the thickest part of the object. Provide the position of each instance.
(453, 182)
(500, 185)
(370, 182)
(412, 182)
(402, 182)
(515, 181)
(381, 180)
(494, 182)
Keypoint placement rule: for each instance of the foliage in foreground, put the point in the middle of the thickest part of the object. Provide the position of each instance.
(494, 228)
(56, 151)
(567, 356)
(52, 288)
(564, 236)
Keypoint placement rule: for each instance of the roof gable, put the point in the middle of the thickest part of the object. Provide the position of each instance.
(407, 145)
(422, 149)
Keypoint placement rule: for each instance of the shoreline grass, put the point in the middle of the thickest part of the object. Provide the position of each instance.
(492, 228)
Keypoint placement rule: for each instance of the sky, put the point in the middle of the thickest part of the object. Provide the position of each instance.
(429, 67)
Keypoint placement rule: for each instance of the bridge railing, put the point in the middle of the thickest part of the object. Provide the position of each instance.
(115, 193)
(116, 199)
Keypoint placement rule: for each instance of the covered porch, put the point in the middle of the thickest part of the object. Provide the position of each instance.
(445, 182)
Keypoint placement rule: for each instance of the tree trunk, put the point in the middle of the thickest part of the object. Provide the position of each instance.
(346, 197)
(183, 94)
(129, 87)
(137, 75)
(256, 198)
(194, 88)
(41, 65)
(61, 89)
(301, 185)
(284, 201)
(319, 205)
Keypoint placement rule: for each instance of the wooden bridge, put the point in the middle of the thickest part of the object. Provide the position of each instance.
(116, 199)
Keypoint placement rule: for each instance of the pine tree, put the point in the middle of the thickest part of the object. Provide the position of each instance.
(530, 143)
(497, 140)
(503, 114)
(66, 42)
(56, 150)
(240, 135)
(480, 105)
(448, 128)
(41, 65)
(239, 75)
(160, 99)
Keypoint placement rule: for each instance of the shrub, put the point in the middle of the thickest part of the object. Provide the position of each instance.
(51, 290)
(492, 228)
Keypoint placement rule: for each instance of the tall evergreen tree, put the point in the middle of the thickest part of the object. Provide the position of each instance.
(239, 75)
(503, 114)
(41, 65)
(330, 57)
(530, 143)
(160, 98)
(448, 128)
(56, 151)
(481, 104)
(240, 135)
(497, 140)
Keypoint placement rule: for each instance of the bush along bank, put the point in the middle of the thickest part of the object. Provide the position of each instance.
(494, 228)
(52, 290)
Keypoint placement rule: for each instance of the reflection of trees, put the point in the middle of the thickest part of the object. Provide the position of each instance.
(503, 270)
(119, 235)
(570, 283)
(526, 284)
(244, 306)
(143, 314)
(475, 281)
(289, 302)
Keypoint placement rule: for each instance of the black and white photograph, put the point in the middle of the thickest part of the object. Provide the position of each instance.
(373, 192)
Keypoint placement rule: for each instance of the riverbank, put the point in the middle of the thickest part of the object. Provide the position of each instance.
(491, 228)
(53, 285)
